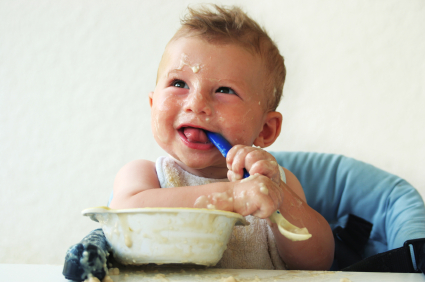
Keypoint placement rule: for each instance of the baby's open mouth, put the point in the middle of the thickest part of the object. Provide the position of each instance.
(195, 135)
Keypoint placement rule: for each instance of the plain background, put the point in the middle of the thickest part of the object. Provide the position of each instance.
(74, 83)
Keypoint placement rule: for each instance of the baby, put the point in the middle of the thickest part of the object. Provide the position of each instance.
(222, 73)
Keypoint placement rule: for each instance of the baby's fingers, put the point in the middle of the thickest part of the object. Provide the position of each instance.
(254, 160)
(266, 168)
(236, 161)
(256, 205)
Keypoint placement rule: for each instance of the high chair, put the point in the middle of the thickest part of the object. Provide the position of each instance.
(337, 186)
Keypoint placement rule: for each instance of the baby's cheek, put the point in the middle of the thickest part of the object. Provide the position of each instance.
(165, 103)
(159, 130)
(162, 119)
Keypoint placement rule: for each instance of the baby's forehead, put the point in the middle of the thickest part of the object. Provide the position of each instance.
(190, 53)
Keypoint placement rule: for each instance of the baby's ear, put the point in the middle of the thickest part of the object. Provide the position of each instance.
(150, 98)
(270, 131)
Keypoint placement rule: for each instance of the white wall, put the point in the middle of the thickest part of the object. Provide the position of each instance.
(74, 78)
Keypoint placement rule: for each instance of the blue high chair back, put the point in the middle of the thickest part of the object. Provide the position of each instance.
(336, 186)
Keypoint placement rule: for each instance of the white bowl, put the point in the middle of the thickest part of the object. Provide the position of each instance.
(166, 235)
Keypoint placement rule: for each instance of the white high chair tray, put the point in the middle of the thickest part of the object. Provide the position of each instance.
(53, 273)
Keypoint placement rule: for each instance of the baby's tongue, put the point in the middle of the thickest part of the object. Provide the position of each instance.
(195, 135)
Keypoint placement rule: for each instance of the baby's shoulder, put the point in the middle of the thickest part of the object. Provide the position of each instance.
(138, 165)
(137, 170)
(133, 178)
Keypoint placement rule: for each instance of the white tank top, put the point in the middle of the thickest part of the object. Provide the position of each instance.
(250, 247)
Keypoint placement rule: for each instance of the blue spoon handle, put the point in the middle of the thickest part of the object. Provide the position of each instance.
(223, 146)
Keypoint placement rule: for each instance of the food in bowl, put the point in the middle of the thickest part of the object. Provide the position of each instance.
(166, 235)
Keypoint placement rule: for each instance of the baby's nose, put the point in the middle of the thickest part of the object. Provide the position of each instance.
(198, 103)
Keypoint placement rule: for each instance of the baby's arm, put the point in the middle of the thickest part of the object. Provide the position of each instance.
(136, 186)
(315, 253)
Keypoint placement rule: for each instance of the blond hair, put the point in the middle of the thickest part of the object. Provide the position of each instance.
(223, 25)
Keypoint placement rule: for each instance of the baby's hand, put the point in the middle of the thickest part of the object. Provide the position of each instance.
(254, 160)
(260, 194)
(256, 195)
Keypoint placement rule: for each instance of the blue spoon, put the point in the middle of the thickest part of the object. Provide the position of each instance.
(223, 146)
(287, 229)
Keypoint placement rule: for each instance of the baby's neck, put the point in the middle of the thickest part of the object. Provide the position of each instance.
(208, 172)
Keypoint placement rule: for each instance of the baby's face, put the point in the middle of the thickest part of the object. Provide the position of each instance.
(202, 86)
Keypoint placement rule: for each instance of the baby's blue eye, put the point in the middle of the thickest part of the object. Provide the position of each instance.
(180, 84)
(225, 90)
